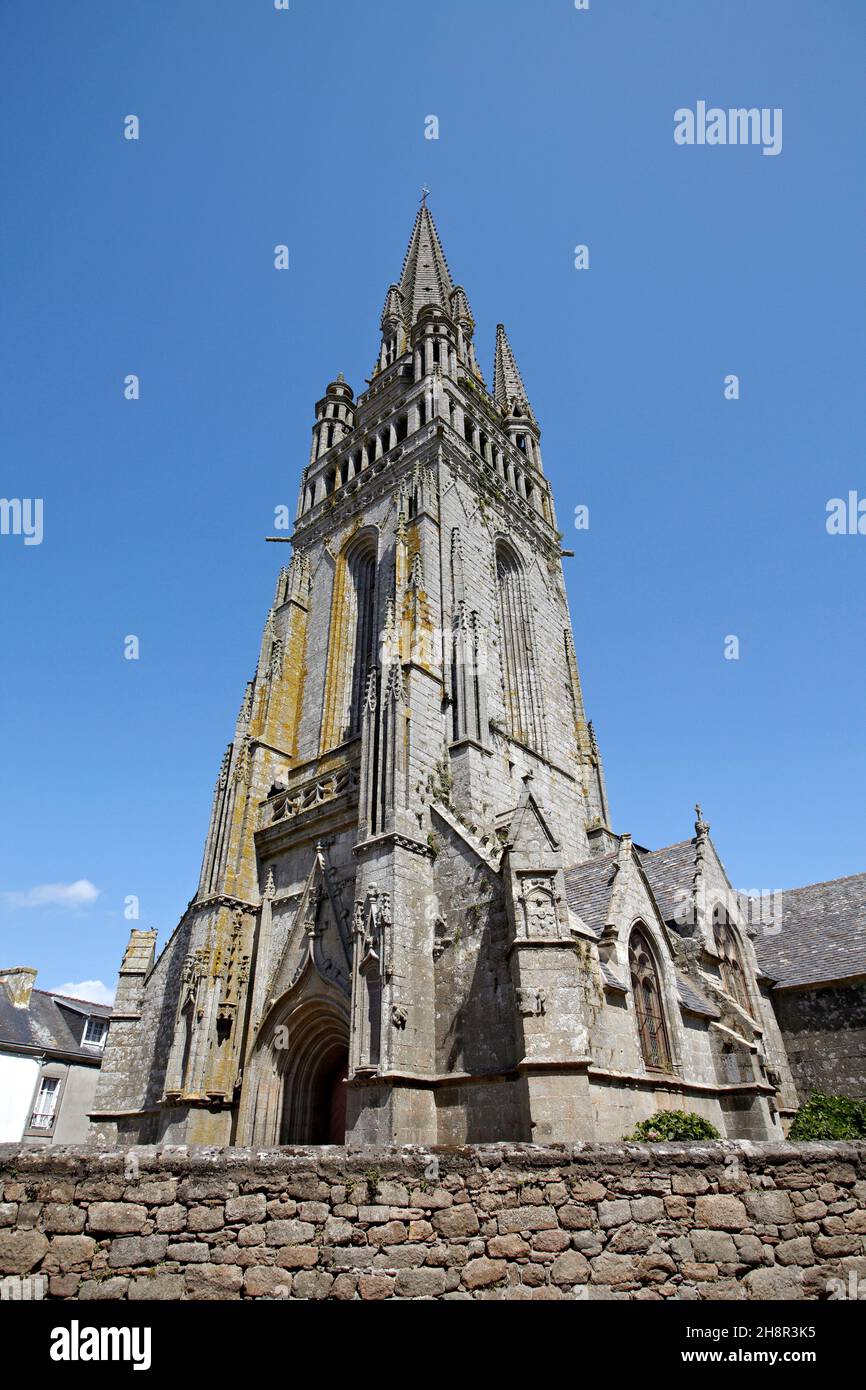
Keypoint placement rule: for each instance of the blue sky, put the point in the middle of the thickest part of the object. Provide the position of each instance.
(306, 127)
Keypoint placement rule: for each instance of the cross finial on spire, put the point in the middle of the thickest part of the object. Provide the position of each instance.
(425, 277)
(424, 192)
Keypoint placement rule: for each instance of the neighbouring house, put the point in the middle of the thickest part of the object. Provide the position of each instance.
(50, 1053)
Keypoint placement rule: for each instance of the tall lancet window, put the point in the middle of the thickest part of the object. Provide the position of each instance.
(647, 997)
(522, 696)
(363, 567)
(730, 963)
(351, 641)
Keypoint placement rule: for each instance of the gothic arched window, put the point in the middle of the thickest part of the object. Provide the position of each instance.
(522, 707)
(647, 995)
(363, 570)
(730, 962)
(351, 641)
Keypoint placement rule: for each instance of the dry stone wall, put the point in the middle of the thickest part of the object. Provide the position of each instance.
(732, 1220)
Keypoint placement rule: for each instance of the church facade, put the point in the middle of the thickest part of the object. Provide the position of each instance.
(415, 922)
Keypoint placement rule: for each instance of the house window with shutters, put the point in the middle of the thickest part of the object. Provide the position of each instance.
(46, 1103)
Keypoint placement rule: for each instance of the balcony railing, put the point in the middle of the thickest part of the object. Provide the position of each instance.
(286, 805)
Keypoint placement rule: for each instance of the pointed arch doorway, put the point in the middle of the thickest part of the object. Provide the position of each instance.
(333, 1101)
(315, 1079)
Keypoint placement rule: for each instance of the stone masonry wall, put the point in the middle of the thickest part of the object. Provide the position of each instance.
(825, 1037)
(719, 1221)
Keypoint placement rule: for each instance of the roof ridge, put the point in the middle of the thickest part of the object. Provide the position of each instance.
(676, 844)
(593, 859)
(822, 883)
(76, 998)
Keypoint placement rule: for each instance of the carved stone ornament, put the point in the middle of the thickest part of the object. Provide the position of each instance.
(530, 1003)
(540, 908)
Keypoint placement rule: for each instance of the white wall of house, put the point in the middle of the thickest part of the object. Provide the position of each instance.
(18, 1077)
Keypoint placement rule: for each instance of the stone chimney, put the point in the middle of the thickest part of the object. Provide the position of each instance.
(19, 982)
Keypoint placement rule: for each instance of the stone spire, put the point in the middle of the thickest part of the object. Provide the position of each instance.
(392, 313)
(460, 311)
(509, 391)
(426, 278)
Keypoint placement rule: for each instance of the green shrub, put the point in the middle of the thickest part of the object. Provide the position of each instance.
(672, 1126)
(829, 1117)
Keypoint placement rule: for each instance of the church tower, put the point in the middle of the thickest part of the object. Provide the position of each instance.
(380, 944)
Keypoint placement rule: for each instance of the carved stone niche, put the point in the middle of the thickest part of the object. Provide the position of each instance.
(538, 901)
(441, 938)
(530, 1002)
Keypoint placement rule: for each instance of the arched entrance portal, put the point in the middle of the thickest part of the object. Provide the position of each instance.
(315, 1079)
(334, 1087)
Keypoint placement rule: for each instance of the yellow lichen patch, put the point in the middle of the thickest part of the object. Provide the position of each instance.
(241, 876)
(417, 634)
(278, 705)
(287, 690)
(417, 629)
(206, 1127)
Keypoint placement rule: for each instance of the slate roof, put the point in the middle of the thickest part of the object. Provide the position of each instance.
(587, 889)
(611, 980)
(670, 870)
(48, 1024)
(822, 936)
(693, 1001)
(823, 925)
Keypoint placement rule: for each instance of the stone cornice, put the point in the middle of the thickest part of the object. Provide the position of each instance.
(223, 900)
(668, 1081)
(393, 837)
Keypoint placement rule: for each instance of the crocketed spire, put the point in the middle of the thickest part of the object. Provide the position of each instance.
(509, 391)
(460, 311)
(426, 278)
(393, 308)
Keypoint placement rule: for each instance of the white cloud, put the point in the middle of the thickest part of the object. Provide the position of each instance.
(81, 893)
(94, 991)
